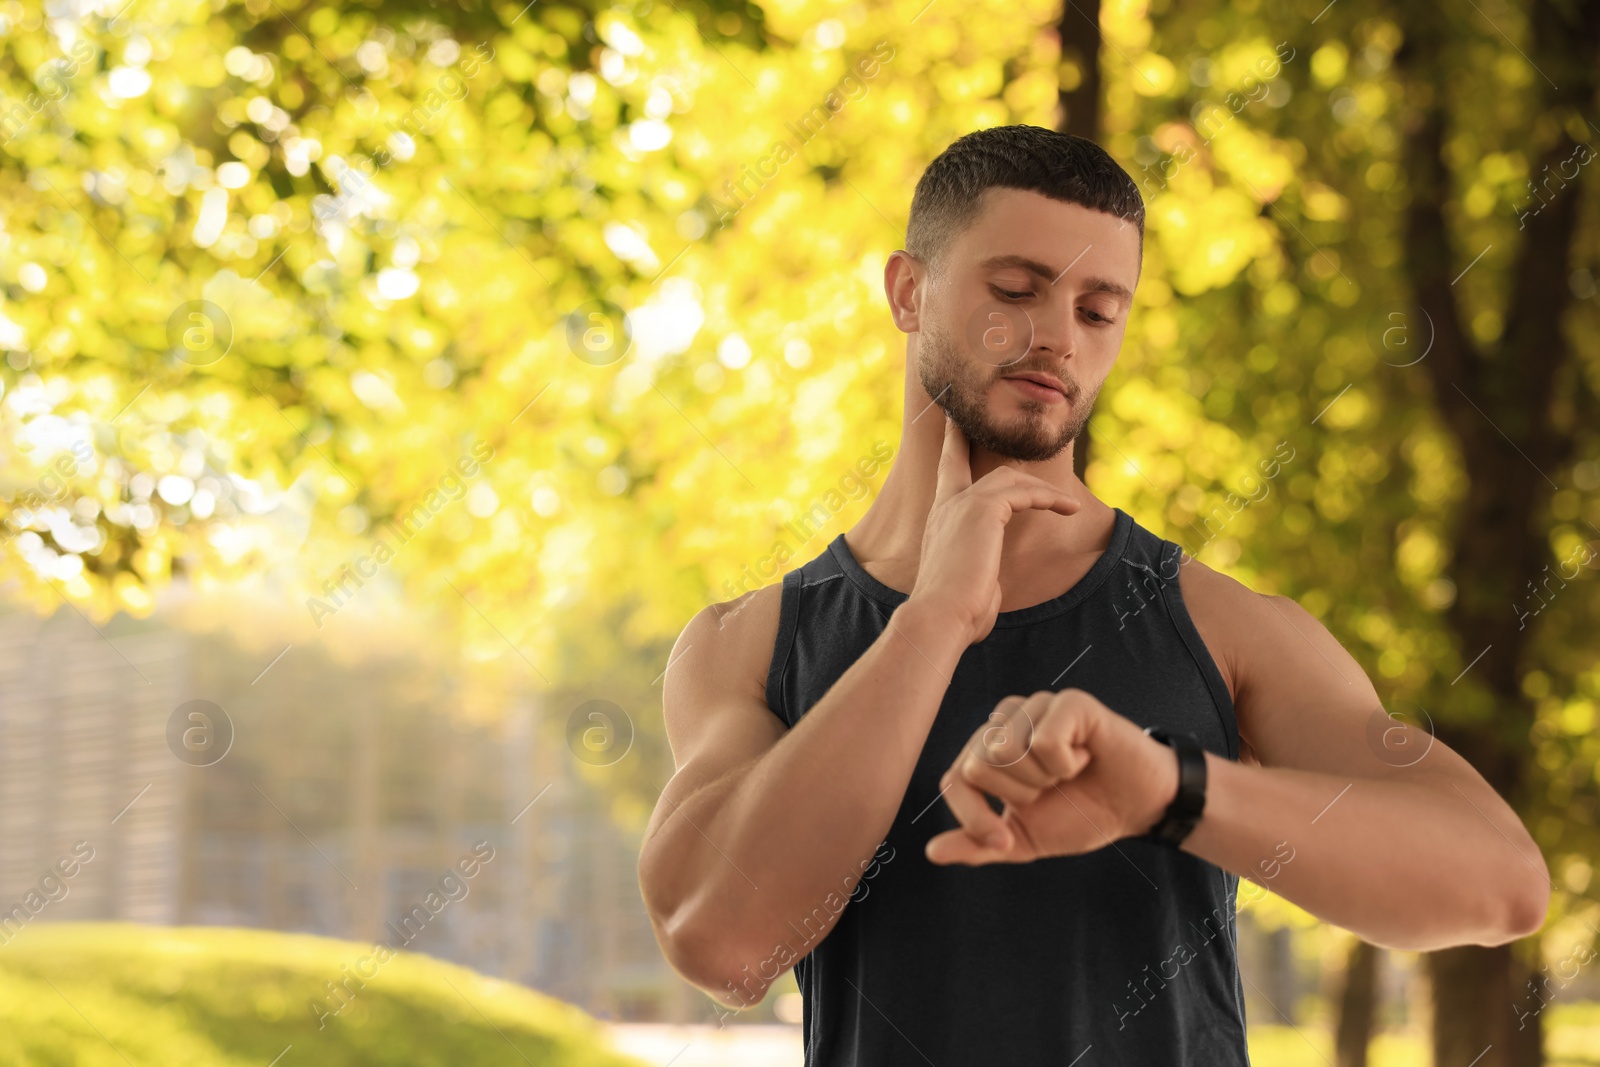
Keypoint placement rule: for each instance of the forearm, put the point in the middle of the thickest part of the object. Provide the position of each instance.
(1412, 863)
(777, 844)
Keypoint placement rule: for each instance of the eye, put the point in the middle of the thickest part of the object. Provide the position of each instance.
(1097, 317)
(1008, 294)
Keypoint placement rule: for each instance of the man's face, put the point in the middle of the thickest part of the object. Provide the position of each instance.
(1034, 287)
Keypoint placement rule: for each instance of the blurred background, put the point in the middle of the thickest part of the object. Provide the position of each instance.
(385, 384)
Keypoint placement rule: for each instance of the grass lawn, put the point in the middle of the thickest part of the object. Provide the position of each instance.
(1572, 1039)
(115, 994)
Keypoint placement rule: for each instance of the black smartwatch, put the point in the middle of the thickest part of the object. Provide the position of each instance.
(1184, 811)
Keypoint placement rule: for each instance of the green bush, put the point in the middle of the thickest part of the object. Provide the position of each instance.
(114, 994)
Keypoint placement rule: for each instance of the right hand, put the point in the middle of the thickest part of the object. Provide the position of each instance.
(959, 572)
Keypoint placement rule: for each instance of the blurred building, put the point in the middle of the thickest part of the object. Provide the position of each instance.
(343, 798)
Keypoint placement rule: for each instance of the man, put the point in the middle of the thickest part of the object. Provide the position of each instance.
(918, 769)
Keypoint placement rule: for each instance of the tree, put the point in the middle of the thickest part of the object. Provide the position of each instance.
(1357, 999)
(1079, 30)
(1447, 438)
(1517, 403)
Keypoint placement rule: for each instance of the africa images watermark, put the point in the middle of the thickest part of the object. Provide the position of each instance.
(1581, 153)
(450, 88)
(452, 887)
(1270, 469)
(1137, 594)
(53, 888)
(53, 80)
(1220, 920)
(1580, 955)
(815, 924)
(402, 528)
(1574, 562)
(52, 487)
(798, 532)
(1211, 119)
(1268, 869)
(764, 170)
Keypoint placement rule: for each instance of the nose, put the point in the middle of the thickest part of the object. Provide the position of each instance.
(1056, 329)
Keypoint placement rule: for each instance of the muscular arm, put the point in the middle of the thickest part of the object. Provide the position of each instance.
(1393, 835)
(760, 829)
(760, 826)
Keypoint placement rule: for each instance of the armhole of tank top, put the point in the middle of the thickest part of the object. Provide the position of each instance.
(788, 620)
(1173, 592)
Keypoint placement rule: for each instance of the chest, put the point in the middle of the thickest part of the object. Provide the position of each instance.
(1144, 671)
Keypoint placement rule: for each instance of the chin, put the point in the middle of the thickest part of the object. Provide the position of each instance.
(1025, 447)
(1007, 420)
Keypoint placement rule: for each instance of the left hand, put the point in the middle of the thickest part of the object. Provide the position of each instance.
(1073, 774)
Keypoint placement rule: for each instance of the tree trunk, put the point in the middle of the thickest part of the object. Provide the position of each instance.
(1497, 400)
(1279, 975)
(1079, 95)
(1527, 1037)
(1477, 992)
(1358, 1001)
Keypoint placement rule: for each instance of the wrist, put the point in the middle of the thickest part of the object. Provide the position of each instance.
(932, 629)
(1180, 788)
(1164, 788)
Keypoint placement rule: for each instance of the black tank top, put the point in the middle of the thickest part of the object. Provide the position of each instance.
(1124, 955)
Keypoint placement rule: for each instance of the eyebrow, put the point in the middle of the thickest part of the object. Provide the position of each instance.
(1094, 284)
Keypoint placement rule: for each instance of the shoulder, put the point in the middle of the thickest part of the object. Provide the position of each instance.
(1220, 607)
(720, 660)
(740, 629)
(1227, 591)
(1274, 654)
(1250, 627)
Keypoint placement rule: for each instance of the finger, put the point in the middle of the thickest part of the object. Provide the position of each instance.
(957, 846)
(1006, 474)
(1060, 742)
(1006, 736)
(955, 463)
(1033, 493)
(1002, 782)
(1005, 741)
(971, 809)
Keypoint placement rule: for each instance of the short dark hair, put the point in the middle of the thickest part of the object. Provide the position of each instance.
(1059, 165)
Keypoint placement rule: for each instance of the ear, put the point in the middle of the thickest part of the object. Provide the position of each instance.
(903, 278)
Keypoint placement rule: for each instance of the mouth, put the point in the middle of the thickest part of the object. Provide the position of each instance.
(1039, 385)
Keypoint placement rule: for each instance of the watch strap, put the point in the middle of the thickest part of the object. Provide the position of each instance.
(1186, 807)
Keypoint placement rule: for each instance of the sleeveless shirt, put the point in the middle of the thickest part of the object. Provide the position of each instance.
(1127, 954)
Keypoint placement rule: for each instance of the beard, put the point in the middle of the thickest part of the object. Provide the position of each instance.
(961, 386)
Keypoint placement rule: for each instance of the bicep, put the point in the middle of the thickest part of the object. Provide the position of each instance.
(1304, 702)
(1310, 706)
(1300, 699)
(714, 693)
